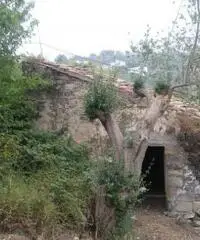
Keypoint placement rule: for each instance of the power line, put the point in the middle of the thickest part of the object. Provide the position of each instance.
(70, 53)
(53, 47)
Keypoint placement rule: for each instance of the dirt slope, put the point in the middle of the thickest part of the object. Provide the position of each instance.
(152, 224)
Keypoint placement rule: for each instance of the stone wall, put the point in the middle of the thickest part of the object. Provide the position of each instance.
(62, 108)
(182, 162)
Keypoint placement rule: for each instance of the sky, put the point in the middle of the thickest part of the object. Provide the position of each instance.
(88, 26)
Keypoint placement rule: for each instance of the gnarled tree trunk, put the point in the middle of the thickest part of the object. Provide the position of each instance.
(133, 155)
(114, 133)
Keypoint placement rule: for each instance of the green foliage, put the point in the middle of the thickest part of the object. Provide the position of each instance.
(43, 181)
(16, 24)
(71, 193)
(14, 84)
(45, 161)
(53, 168)
(42, 174)
(122, 194)
(161, 88)
(16, 116)
(61, 59)
(138, 83)
(23, 203)
(171, 58)
(100, 98)
(45, 199)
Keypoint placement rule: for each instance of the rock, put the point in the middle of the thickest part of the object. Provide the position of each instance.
(196, 223)
(181, 220)
(170, 214)
(198, 212)
(197, 190)
(76, 238)
(185, 197)
(196, 208)
(175, 181)
(184, 206)
(176, 172)
(190, 215)
(197, 230)
(166, 213)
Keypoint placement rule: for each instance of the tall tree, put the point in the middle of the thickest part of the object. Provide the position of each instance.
(16, 24)
(165, 59)
(174, 58)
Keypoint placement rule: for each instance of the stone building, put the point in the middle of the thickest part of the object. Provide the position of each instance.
(174, 152)
(172, 156)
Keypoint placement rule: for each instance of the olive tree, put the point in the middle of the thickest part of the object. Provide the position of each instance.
(170, 64)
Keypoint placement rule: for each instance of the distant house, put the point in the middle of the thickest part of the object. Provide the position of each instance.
(118, 63)
(138, 70)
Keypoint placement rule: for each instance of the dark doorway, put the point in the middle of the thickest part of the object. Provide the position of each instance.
(153, 171)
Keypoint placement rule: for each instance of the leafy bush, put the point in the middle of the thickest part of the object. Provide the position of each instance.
(71, 196)
(54, 169)
(43, 175)
(138, 84)
(122, 192)
(161, 88)
(51, 166)
(101, 97)
(41, 151)
(44, 201)
(17, 116)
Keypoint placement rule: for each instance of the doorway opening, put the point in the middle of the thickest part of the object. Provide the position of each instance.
(153, 173)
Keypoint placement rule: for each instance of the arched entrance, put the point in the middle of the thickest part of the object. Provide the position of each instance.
(153, 172)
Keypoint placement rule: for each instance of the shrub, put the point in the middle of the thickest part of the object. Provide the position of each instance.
(43, 175)
(161, 88)
(71, 196)
(39, 152)
(43, 181)
(52, 190)
(101, 97)
(122, 193)
(138, 84)
(50, 164)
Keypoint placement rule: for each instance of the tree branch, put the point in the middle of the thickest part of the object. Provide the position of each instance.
(194, 45)
(182, 85)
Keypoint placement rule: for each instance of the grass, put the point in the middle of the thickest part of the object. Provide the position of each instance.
(24, 205)
(42, 202)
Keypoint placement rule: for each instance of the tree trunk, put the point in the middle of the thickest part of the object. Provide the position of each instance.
(157, 108)
(114, 133)
(135, 155)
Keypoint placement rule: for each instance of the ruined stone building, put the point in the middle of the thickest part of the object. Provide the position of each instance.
(173, 151)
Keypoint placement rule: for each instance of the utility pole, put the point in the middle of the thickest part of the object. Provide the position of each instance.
(41, 49)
